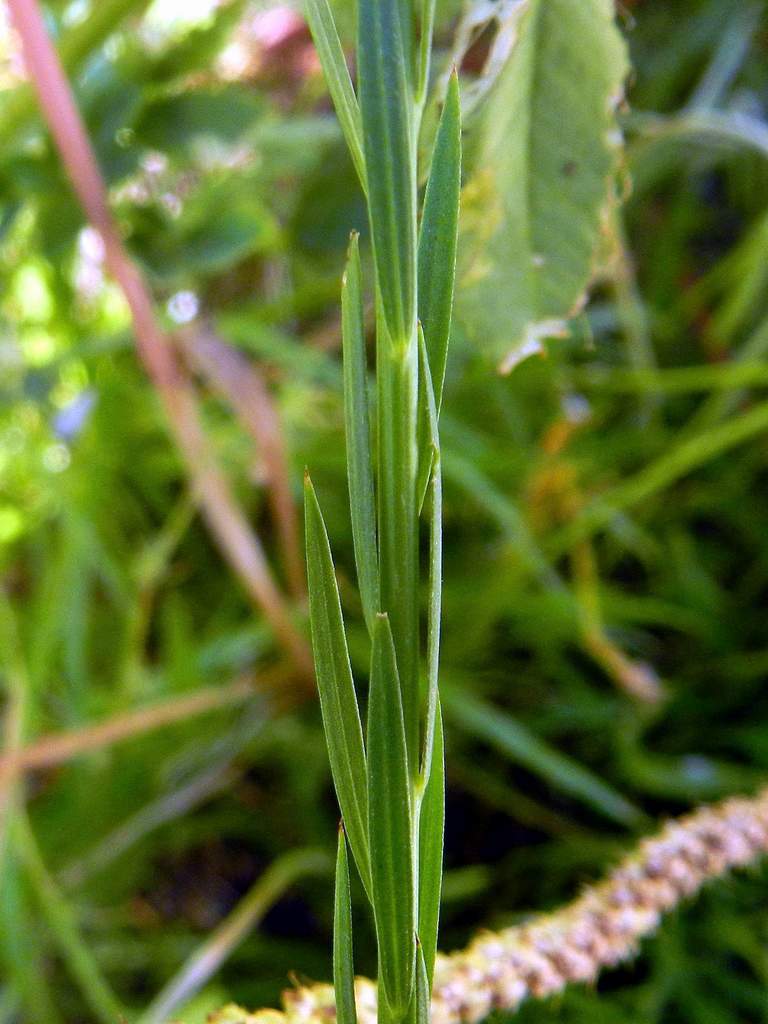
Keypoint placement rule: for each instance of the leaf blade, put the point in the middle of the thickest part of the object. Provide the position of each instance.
(490, 724)
(438, 238)
(427, 22)
(542, 156)
(358, 436)
(334, 65)
(343, 956)
(338, 701)
(430, 460)
(385, 106)
(431, 833)
(390, 825)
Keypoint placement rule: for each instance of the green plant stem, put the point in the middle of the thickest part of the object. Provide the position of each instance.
(397, 384)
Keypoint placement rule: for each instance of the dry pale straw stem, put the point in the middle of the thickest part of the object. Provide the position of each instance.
(601, 928)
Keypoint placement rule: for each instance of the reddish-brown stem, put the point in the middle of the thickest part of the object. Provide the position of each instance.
(59, 747)
(244, 387)
(224, 517)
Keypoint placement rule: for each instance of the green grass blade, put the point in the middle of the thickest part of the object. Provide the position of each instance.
(418, 1011)
(428, 437)
(385, 104)
(423, 989)
(390, 825)
(24, 958)
(65, 928)
(407, 27)
(430, 457)
(328, 45)
(431, 829)
(437, 238)
(338, 702)
(343, 959)
(358, 436)
(474, 716)
(679, 460)
(427, 22)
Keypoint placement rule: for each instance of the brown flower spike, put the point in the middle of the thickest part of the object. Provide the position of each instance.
(601, 928)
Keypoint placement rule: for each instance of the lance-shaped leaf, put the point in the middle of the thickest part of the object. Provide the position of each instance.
(540, 162)
(358, 436)
(426, 26)
(427, 436)
(388, 145)
(437, 238)
(422, 993)
(390, 825)
(338, 702)
(431, 828)
(328, 45)
(430, 456)
(407, 27)
(418, 1011)
(343, 959)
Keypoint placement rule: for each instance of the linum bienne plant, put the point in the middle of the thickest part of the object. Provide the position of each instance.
(390, 785)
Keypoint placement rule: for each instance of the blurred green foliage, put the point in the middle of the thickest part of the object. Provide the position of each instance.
(605, 514)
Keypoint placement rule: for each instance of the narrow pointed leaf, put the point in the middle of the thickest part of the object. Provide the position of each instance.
(343, 959)
(390, 825)
(423, 991)
(428, 443)
(431, 456)
(338, 702)
(328, 45)
(431, 828)
(418, 1011)
(476, 717)
(358, 436)
(437, 239)
(407, 28)
(388, 145)
(434, 605)
(427, 21)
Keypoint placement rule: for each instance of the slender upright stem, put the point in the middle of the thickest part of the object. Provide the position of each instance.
(402, 758)
(397, 387)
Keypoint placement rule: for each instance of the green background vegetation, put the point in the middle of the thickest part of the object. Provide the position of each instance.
(605, 511)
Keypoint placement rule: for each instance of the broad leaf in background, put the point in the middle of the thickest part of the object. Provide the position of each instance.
(180, 121)
(541, 157)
